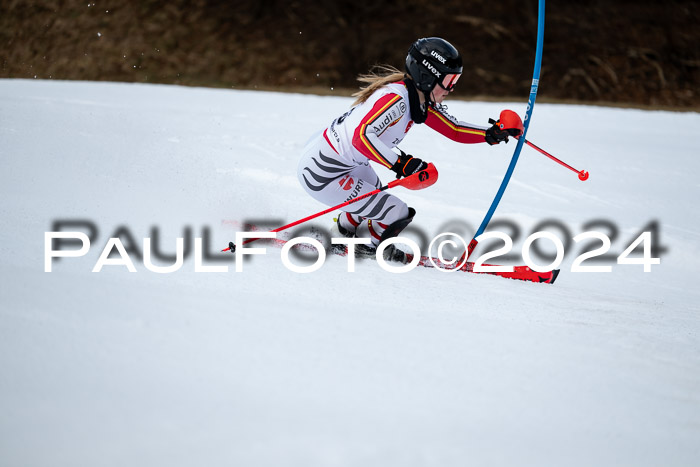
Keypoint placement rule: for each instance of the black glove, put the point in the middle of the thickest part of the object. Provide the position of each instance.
(495, 135)
(407, 165)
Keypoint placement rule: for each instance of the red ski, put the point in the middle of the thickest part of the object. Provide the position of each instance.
(522, 273)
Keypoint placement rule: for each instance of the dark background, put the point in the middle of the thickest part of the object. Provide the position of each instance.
(632, 53)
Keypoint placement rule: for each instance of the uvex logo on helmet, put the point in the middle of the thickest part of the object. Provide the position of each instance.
(438, 56)
(432, 69)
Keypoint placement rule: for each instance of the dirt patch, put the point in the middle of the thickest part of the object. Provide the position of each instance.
(624, 52)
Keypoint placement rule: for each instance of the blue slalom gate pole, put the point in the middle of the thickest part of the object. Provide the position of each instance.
(526, 124)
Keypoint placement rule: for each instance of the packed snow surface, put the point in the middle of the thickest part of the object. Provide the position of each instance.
(269, 367)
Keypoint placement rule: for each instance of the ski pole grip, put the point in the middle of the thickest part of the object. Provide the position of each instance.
(418, 180)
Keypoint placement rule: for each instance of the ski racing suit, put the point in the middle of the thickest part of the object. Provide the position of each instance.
(335, 164)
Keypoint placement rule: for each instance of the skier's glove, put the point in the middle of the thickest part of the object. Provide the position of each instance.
(407, 165)
(495, 134)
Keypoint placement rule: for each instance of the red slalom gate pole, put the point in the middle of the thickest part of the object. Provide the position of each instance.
(417, 181)
(582, 174)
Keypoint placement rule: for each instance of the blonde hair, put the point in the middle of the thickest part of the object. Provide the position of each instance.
(379, 76)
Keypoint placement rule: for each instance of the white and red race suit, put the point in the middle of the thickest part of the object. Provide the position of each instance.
(335, 165)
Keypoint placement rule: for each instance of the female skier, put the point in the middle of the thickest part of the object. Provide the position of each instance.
(335, 166)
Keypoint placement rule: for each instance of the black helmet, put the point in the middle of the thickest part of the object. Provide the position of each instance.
(430, 60)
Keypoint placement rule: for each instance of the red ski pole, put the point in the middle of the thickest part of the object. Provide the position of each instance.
(417, 181)
(582, 174)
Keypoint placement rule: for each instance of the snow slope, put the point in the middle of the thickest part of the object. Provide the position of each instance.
(271, 367)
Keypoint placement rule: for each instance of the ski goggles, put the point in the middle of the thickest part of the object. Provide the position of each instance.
(449, 81)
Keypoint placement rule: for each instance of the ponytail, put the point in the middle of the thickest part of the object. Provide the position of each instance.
(378, 77)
